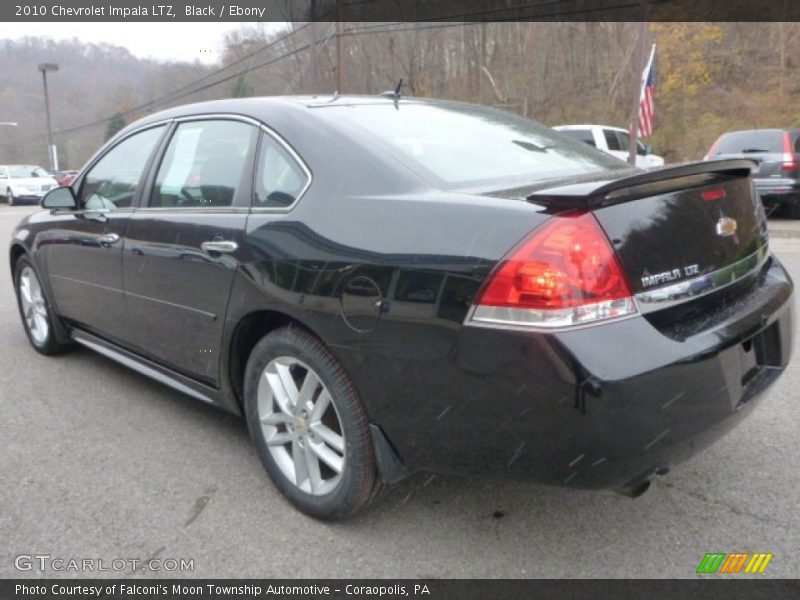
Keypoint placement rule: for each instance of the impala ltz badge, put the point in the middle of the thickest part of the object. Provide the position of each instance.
(726, 227)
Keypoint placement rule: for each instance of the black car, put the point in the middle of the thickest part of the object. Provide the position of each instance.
(383, 286)
(776, 153)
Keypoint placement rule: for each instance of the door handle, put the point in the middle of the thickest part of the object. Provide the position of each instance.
(223, 246)
(108, 240)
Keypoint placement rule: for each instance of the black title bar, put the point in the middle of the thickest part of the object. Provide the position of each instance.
(396, 10)
(386, 589)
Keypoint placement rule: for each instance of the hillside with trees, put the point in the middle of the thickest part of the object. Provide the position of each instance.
(711, 77)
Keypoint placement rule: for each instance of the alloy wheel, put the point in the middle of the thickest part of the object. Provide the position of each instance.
(301, 426)
(34, 306)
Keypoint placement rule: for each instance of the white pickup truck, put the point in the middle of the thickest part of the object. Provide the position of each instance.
(614, 141)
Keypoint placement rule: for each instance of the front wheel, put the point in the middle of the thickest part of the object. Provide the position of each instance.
(309, 426)
(37, 316)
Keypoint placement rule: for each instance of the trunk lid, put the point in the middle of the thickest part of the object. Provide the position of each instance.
(699, 224)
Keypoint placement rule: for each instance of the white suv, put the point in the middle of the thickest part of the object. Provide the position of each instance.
(614, 141)
(24, 183)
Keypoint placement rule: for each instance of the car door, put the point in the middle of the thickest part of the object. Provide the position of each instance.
(83, 249)
(182, 245)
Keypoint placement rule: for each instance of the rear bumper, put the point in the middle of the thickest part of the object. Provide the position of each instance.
(777, 189)
(599, 407)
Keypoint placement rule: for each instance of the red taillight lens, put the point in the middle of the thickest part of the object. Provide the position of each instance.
(565, 273)
(789, 159)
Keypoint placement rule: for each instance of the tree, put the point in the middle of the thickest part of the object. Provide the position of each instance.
(241, 89)
(115, 125)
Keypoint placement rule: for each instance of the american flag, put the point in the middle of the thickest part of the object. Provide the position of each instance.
(646, 101)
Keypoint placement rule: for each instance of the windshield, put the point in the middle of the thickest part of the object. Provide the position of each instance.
(20, 171)
(462, 145)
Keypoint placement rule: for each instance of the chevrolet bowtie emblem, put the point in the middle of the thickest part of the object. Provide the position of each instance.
(726, 227)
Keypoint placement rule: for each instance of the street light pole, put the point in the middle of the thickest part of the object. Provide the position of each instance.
(44, 68)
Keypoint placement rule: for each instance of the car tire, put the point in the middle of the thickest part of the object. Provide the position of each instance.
(10, 197)
(35, 310)
(306, 419)
(793, 207)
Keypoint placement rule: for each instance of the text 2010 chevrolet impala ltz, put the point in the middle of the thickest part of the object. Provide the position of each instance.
(383, 286)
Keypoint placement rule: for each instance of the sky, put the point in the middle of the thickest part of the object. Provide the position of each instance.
(159, 41)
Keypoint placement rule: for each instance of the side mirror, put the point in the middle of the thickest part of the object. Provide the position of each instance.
(646, 150)
(60, 197)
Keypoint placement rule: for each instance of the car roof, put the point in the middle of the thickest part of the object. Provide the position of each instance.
(589, 126)
(769, 130)
(269, 109)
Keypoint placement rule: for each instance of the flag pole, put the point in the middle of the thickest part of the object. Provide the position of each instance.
(634, 128)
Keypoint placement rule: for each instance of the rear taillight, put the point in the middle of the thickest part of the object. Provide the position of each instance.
(789, 158)
(713, 150)
(565, 273)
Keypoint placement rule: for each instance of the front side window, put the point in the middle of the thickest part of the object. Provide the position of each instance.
(279, 178)
(112, 182)
(204, 165)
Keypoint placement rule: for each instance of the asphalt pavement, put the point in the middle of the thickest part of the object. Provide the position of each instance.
(101, 463)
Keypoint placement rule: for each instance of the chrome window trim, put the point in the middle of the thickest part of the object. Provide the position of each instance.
(309, 175)
(265, 129)
(678, 293)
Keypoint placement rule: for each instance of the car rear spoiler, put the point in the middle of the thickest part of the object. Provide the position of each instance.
(596, 194)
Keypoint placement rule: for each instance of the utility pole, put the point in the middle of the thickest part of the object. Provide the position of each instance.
(51, 152)
(339, 55)
(634, 132)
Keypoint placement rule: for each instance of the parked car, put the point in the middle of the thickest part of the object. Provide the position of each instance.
(24, 183)
(776, 152)
(614, 141)
(384, 286)
(64, 177)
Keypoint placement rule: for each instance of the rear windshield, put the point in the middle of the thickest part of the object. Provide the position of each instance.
(465, 145)
(582, 135)
(744, 142)
(21, 171)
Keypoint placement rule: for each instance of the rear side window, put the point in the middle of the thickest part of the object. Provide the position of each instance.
(112, 182)
(612, 140)
(582, 135)
(280, 179)
(205, 165)
(743, 142)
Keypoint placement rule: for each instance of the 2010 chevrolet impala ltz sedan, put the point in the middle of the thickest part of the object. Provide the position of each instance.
(382, 286)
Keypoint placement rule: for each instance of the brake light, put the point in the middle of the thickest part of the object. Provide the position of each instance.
(717, 194)
(789, 159)
(713, 150)
(565, 273)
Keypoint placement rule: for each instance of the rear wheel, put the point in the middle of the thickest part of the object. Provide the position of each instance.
(308, 425)
(793, 207)
(37, 316)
